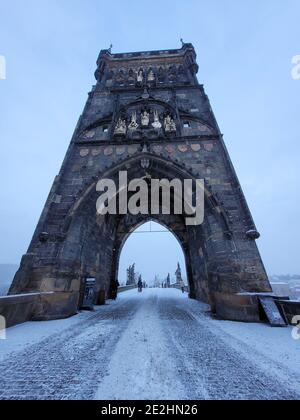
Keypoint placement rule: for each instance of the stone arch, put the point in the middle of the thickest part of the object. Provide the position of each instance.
(177, 236)
(146, 103)
(172, 168)
(151, 105)
(197, 124)
(85, 231)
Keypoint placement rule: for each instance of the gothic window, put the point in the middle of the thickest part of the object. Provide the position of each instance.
(121, 78)
(172, 74)
(110, 78)
(110, 75)
(186, 124)
(182, 74)
(161, 75)
(131, 77)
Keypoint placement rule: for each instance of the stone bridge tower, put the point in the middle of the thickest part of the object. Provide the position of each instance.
(148, 115)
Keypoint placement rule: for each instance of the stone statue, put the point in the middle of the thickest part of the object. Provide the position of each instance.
(133, 125)
(151, 76)
(178, 274)
(145, 118)
(170, 125)
(121, 127)
(157, 124)
(140, 76)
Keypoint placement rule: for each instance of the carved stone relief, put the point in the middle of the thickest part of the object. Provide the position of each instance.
(140, 76)
(170, 125)
(133, 124)
(145, 118)
(121, 127)
(156, 124)
(196, 147)
(151, 122)
(84, 152)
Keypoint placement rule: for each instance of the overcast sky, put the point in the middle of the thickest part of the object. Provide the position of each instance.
(245, 49)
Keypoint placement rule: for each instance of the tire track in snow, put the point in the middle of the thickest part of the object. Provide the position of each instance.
(207, 362)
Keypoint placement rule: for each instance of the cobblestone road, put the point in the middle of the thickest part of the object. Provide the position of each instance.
(154, 346)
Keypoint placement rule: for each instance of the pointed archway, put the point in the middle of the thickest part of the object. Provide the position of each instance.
(155, 251)
(93, 242)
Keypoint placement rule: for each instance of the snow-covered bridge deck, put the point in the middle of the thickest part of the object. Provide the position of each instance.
(155, 345)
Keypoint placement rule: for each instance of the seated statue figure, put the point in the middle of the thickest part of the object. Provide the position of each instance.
(121, 127)
(145, 118)
(170, 125)
(156, 124)
(140, 76)
(151, 76)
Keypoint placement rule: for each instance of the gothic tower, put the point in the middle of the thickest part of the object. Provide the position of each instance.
(147, 115)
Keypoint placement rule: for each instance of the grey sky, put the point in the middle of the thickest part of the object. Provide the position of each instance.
(244, 52)
(154, 253)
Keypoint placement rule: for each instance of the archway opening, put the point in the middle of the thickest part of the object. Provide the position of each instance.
(156, 254)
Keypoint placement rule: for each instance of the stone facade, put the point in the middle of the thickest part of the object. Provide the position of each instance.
(147, 115)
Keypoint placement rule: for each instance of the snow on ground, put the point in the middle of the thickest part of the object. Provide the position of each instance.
(155, 345)
(274, 343)
(20, 337)
(139, 366)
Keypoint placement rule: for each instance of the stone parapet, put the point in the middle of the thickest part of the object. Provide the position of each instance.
(17, 309)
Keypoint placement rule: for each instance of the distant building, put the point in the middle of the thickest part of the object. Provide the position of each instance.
(286, 289)
(296, 293)
(281, 289)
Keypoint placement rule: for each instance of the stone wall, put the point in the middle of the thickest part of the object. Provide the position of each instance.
(18, 309)
(239, 307)
(291, 309)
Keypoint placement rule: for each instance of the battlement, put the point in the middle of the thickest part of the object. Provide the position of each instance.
(150, 55)
(185, 58)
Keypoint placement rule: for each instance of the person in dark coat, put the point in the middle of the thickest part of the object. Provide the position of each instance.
(140, 286)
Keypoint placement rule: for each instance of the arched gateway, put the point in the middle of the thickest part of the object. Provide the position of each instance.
(147, 116)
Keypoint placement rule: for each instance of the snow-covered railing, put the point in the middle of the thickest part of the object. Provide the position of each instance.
(126, 288)
(17, 309)
(176, 286)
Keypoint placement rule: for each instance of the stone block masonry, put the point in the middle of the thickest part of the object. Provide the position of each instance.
(147, 115)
